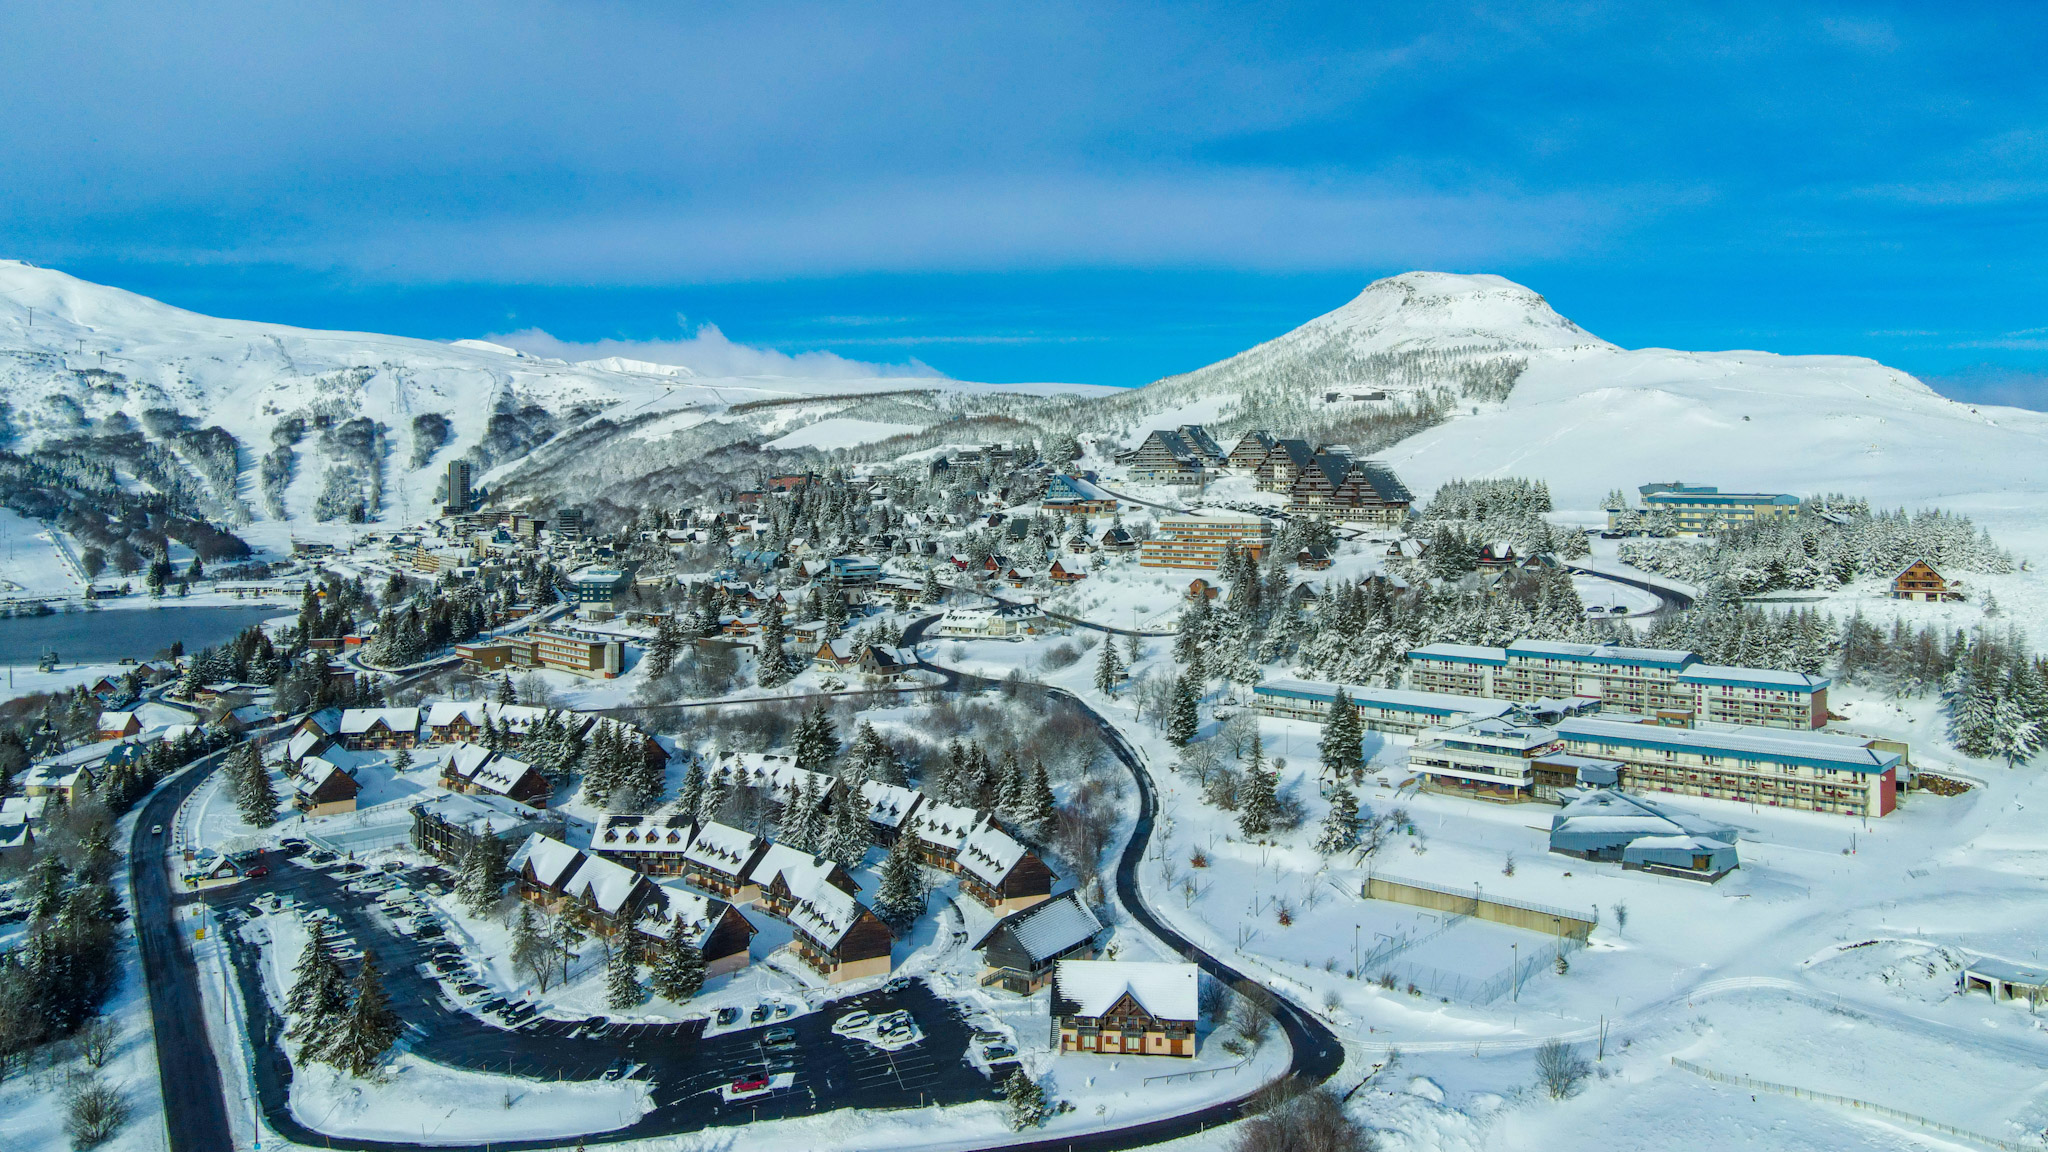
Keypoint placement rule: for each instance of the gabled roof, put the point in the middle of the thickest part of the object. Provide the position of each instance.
(1168, 991)
(699, 913)
(356, 721)
(1612, 811)
(723, 848)
(989, 853)
(823, 912)
(1048, 928)
(889, 805)
(633, 832)
(446, 712)
(605, 883)
(943, 825)
(552, 862)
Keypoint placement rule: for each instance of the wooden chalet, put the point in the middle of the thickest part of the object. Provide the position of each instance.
(473, 768)
(325, 790)
(1919, 581)
(888, 808)
(1001, 873)
(119, 725)
(650, 843)
(365, 729)
(836, 934)
(721, 859)
(886, 663)
(1203, 589)
(1126, 1007)
(1019, 952)
(1061, 574)
(785, 874)
(940, 830)
(716, 929)
(452, 722)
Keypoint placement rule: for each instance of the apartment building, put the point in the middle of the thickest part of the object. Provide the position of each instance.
(1398, 710)
(1671, 685)
(1844, 775)
(1492, 758)
(1700, 509)
(1200, 540)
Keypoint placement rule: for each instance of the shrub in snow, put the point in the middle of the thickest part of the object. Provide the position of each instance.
(93, 1111)
(1560, 1070)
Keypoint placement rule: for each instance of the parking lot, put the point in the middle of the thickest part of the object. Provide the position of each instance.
(685, 1068)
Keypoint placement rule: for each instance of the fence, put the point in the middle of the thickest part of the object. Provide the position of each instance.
(1749, 1084)
(1513, 913)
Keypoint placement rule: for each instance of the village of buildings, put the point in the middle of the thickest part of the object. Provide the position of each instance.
(1501, 794)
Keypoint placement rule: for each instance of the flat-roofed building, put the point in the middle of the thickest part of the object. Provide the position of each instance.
(1807, 770)
(1402, 711)
(1700, 509)
(584, 653)
(1757, 697)
(1491, 758)
(1201, 540)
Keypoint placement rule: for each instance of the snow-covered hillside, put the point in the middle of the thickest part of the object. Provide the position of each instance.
(322, 421)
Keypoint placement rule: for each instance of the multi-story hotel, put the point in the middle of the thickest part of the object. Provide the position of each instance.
(1669, 684)
(1491, 757)
(1199, 541)
(1700, 509)
(1396, 710)
(1808, 770)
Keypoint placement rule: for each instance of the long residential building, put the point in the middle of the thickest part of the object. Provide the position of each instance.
(1492, 758)
(1200, 540)
(1809, 770)
(1336, 487)
(1672, 685)
(1700, 509)
(1398, 710)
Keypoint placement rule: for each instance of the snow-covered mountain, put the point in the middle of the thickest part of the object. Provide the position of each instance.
(263, 423)
(1443, 375)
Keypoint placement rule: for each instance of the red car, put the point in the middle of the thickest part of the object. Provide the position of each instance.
(757, 1084)
(257, 873)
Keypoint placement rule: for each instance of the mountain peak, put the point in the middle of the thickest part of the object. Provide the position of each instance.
(1450, 308)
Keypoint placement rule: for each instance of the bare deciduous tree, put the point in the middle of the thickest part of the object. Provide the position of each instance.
(1560, 1069)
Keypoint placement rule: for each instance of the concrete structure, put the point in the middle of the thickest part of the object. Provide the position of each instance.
(1336, 487)
(1491, 758)
(1396, 710)
(459, 498)
(1125, 1007)
(1700, 509)
(1811, 771)
(1479, 906)
(600, 593)
(1670, 684)
(1201, 539)
(583, 653)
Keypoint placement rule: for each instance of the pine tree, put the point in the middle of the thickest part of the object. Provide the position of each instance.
(1025, 1099)
(717, 794)
(1041, 810)
(802, 822)
(1340, 825)
(318, 996)
(1184, 717)
(482, 878)
(847, 836)
(1256, 801)
(900, 897)
(774, 669)
(645, 776)
(622, 988)
(2013, 737)
(665, 647)
(932, 592)
(690, 799)
(1342, 757)
(1109, 670)
(817, 741)
(257, 798)
(678, 972)
(369, 1027)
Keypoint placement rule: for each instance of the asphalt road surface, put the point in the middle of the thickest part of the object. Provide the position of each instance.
(195, 1109)
(685, 1066)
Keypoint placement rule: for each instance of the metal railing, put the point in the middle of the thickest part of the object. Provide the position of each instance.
(1751, 1084)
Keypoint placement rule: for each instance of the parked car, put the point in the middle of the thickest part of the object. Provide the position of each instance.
(614, 1071)
(257, 873)
(856, 1019)
(759, 1014)
(779, 1038)
(984, 1036)
(996, 1052)
(751, 1084)
(899, 984)
(728, 1016)
(156, 830)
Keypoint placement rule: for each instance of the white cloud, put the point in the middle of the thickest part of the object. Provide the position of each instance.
(707, 352)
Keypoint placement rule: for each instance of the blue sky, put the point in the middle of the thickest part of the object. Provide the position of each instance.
(1089, 191)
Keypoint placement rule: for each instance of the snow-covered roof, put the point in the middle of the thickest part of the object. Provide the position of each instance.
(501, 774)
(723, 848)
(778, 774)
(1811, 749)
(1166, 990)
(474, 813)
(445, 712)
(115, 720)
(698, 912)
(823, 912)
(798, 868)
(1048, 928)
(943, 825)
(1613, 813)
(633, 832)
(988, 853)
(302, 743)
(1752, 678)
(466, 758)
(355, 721)
(551, 860)
(889, 805)
(603, 882)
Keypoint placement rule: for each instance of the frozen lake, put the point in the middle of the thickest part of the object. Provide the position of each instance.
(110, 634)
